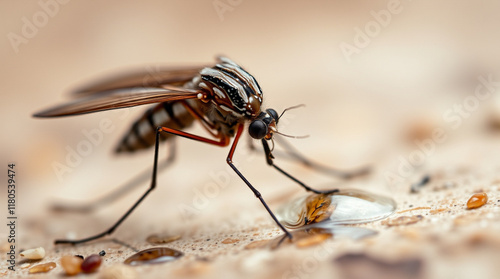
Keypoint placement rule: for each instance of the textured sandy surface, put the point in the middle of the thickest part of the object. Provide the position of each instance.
(448, 241)
(366, 111)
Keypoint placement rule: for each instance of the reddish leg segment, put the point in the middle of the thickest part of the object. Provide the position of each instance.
(257, 193)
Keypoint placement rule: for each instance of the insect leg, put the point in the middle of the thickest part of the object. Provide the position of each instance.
(296, 155)
(223, 141)
(209, 127)
(255, 191)
(120, 191)
(269, 159)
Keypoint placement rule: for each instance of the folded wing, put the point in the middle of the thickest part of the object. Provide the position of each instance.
(147, 77)
(119, 98)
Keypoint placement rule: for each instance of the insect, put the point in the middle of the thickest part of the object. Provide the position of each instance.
(224, 98)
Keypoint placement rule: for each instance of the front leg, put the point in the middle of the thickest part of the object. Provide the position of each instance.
(291, 151)
(255, 191)
(269, 159)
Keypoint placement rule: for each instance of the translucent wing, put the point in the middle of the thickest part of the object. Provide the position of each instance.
(120, 98)
(148, 77)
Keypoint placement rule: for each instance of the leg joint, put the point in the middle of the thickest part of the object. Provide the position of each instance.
(257, 194)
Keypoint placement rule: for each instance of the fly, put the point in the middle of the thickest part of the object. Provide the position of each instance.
(224, 98)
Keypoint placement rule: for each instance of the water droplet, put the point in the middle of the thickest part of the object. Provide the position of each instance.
(349, 206)
(477, 200)
(154, 256)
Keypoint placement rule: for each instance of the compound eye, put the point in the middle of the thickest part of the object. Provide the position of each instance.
(273, 114)
(257, 129)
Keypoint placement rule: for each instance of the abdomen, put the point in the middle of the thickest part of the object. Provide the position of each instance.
(142, 134)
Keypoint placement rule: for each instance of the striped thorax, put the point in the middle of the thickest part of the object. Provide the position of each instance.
(230, 96)
(233, 89)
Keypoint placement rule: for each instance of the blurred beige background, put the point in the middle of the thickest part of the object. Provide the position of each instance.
(415, 66)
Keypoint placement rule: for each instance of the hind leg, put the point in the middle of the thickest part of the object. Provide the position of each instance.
(223, 141)
(120, 191)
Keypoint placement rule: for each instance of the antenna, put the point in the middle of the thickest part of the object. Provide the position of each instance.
(289, 136)
(294, 107)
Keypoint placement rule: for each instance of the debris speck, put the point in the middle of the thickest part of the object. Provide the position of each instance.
(415, 187)
(33, 254)
(416, 208)
(71, 265)
(403, 220)
(91, 263)
(229, 240)
(437, 210)
(156, 239)
(41, 268)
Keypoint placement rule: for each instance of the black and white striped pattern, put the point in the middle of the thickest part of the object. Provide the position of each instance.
(233, 92)
(228, 80)
(142, 133)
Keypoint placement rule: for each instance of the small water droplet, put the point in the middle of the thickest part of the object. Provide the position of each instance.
(348, 206)
(154, 256)
(477, 200)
